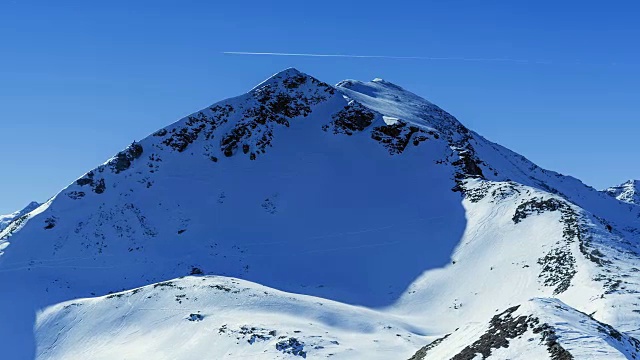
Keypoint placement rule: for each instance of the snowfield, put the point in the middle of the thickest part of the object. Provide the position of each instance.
(303, 220)
(196, 317)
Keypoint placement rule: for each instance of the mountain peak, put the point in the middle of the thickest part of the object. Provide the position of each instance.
(290, 71)
(396, 103)
(32, 205)
(281, 76)
(628, 191)
(632, 182)
(387, 83)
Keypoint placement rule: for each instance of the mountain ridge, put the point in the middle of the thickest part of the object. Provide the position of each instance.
(6, 220)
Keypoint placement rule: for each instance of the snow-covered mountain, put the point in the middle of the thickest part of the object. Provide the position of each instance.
(5, 220)
(628, 192)
(307, 220)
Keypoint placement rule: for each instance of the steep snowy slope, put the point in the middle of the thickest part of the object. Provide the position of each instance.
(529, 230)
(250, 188)
(210, 192)
(628, 192)
(5, 220)
(372, 202)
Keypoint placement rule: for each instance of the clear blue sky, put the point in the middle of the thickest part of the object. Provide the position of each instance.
(81, 80)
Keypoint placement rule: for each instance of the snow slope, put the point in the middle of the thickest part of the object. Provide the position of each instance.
(628, 192)
(201, 316)
(362, 204)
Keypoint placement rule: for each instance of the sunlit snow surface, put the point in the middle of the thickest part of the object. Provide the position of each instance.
(383, 223)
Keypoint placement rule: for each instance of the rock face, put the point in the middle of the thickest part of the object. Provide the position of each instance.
(362, 219)
(628, 192)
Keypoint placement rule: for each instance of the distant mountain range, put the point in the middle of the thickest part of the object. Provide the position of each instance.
(5, 220)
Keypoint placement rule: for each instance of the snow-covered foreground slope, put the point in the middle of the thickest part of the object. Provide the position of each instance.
(360, 203)
(219, 317)
(6, 220)
(628, 192)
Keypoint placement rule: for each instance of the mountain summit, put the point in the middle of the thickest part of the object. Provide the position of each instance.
(628, 192)
(307, 220)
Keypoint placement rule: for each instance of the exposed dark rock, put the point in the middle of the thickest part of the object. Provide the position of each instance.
(221, 287)
(476, 194)
(114, 296)
(99, 186)
(558, 269)
(269, 206)
(14, 226)
(86, 180)
(123, 159)
(251, 333)
(593, 255)
(558, 265)
(256, 334)
(50, 223)
(195, 317)
(291, 346)
(161, 132)
(294, 81)
(469, 164)
(274, 107)
(537, 206)
(422, 353)
(397, 136)
(353, 118)
(502, 328)
(499, 191)
(164, 284)
(612, 285)
(230, 141)
(276, 103)
(550, 338)
(75, 195)
(180, 138)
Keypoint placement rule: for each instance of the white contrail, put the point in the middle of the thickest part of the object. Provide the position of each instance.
(384, 57)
